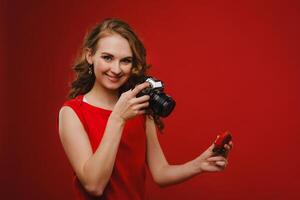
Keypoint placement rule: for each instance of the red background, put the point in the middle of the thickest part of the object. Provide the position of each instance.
(230, 65)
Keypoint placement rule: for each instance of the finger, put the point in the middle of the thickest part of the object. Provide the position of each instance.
(141, 106)
(221, 163)
(225, 155)
(141, 99)
(227, 147)
(140, 112)
(139, 88)
(216, 158)
(211, 147)
(209, 151)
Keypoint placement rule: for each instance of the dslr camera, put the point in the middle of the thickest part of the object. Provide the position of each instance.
(160, 103)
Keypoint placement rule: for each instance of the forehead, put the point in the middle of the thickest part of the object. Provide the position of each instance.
(115, 45)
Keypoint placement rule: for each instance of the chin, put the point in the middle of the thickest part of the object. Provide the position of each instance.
(110, 87)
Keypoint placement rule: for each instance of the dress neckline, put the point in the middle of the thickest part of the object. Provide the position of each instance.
(90, 106)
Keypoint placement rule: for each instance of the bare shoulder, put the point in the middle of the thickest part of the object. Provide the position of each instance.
(67, 112)
(70, 126)
(68, 119)
(74, 138)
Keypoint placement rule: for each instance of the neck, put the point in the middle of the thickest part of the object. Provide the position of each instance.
(102, 97)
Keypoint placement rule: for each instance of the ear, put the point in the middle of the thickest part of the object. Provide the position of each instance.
(88, 55)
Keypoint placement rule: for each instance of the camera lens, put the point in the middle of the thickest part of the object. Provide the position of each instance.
(161, 104)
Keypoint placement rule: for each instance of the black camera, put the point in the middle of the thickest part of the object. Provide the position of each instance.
(160, 103)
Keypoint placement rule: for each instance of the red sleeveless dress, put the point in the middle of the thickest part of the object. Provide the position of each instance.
(128, 177)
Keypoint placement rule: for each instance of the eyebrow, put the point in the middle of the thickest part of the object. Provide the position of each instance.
(127, 57)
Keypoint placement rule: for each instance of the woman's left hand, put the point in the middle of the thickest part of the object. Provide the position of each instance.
(209, 162)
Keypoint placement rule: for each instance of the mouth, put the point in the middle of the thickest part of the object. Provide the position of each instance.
(113, 78)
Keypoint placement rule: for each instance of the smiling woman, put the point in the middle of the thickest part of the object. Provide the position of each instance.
(105, 131)
(92, 122)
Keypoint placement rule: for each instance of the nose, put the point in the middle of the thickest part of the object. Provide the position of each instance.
(115, 68)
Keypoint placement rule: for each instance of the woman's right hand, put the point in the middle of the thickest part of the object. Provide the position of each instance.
(128, 106)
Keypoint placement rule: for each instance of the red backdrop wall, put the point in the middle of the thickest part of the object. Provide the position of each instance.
(230, 65)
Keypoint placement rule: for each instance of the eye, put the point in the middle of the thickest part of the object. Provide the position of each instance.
(107, 58)
(126, 61)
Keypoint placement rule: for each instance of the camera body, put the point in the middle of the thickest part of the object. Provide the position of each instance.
(160, 103)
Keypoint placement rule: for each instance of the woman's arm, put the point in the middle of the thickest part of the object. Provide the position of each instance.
(165, 174)
(93, 170)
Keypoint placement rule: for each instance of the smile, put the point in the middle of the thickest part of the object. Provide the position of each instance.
(113, 78)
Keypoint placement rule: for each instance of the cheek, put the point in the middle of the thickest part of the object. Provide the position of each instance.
(100, 67)
(127, 70)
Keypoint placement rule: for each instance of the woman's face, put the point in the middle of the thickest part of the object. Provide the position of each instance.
(112, 61)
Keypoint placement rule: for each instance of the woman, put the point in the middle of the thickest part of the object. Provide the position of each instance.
(107, 135)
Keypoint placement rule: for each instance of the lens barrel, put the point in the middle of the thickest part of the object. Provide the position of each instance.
(161, 104)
